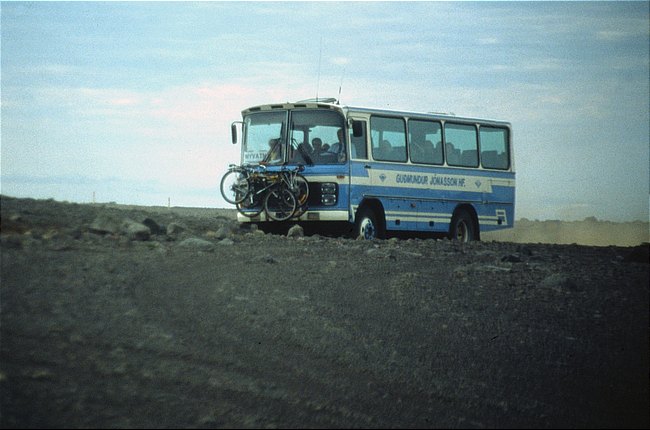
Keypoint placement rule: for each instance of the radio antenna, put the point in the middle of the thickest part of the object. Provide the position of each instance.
(340, 86)
(320, 54)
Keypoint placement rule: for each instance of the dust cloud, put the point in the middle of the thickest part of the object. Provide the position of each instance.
(590, 232)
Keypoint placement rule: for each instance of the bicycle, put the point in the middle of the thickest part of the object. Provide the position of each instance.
(282, 194)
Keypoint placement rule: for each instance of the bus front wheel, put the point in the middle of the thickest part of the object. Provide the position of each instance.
(462, 228)
(368, 225)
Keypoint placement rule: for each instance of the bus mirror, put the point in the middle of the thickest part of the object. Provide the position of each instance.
(357, 128)
(233, 132)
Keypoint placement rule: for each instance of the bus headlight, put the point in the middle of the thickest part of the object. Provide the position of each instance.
(328, 193)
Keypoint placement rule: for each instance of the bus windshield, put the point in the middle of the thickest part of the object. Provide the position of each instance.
(263, 137)
(316, 136)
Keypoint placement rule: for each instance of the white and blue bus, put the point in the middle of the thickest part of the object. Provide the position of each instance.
(380, 171)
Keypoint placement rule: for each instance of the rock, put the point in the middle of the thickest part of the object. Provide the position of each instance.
(512, 258)
(197, 243)
(223, 233)
(269, 259)
(135, 231)
(111, 224)
(105, 224)
(154, 227)
(175, 228)
(296, 231)
(11, 241)
(226, 241)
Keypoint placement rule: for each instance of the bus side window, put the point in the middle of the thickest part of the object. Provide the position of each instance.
(358, 147)
(388, 138)
(462, 145)
(422, 134)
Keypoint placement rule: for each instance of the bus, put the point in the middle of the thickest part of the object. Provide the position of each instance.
(380, 171)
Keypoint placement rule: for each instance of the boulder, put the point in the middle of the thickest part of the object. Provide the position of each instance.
(175, 228)
(135, 230)
(296, 231)
(106, 224)
(197, 244)
(154, 227)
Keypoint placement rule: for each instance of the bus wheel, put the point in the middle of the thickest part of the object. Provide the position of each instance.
(462, 227)
(368, 227)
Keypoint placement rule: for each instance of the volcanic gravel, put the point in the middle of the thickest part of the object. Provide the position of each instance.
(131, 317)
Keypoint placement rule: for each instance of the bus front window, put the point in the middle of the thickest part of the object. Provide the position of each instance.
(263, 140)
(317, 137)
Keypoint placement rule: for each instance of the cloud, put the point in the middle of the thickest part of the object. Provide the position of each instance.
(340, 61)
(488, 41)
(612, 35)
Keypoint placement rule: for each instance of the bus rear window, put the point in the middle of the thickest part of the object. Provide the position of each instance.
(494, 147)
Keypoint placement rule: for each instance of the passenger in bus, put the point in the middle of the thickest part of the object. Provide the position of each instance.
(338, 147)
(418, 152)
(384, 150)
(431, 154)
(317, 149)
(453, 154)
(437, 152)
(317, 146)
(275, 151)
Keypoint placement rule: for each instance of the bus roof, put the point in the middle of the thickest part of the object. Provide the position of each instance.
(331, 103)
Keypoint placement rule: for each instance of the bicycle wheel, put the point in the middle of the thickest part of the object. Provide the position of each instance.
(280, 204)
(250, 207)
(234, 186)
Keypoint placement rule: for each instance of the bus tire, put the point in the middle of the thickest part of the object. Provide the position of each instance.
(368, 226)
(463, 227)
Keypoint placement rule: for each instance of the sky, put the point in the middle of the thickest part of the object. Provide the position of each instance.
(132, 102)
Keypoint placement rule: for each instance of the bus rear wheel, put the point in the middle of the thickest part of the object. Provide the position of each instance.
(463, 228)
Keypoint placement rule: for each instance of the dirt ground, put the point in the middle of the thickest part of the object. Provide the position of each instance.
(125, 317)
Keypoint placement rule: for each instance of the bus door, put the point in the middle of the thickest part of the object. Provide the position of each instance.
(359, 173)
